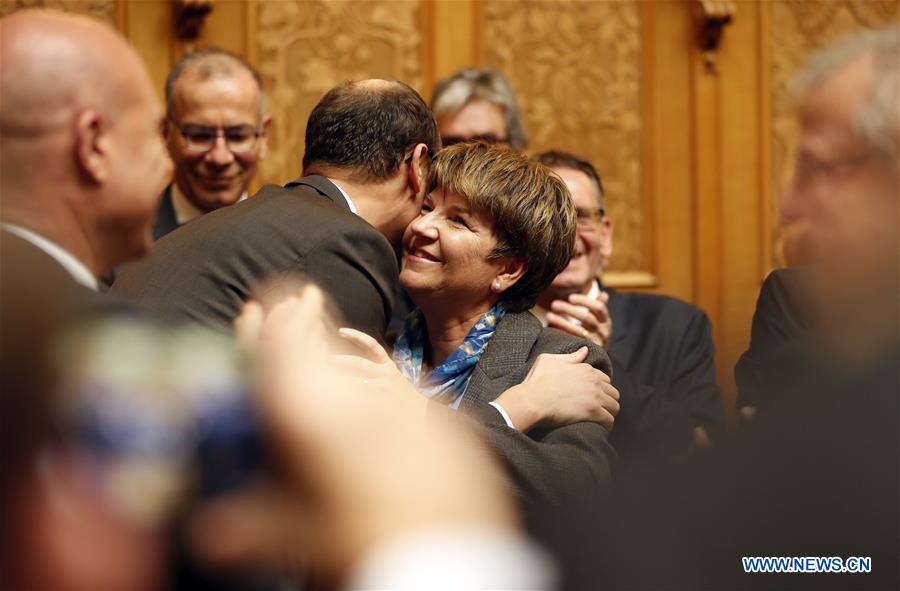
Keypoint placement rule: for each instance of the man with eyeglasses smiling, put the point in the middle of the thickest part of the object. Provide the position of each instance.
(670, 398)
(215, 132)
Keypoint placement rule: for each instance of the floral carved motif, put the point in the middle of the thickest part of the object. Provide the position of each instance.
(576, 68)
(102, 9)
(306, 47)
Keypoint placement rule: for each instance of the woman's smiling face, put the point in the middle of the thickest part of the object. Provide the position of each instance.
(446, 250)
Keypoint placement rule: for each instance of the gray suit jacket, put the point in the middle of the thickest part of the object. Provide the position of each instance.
(546, 466)
(203, 271)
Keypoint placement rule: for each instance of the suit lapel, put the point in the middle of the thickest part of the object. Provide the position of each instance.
(322, 186)
(503, 360)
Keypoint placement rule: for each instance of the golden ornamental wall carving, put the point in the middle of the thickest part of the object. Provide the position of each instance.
(798, 29)
(577, 68)
(102, 9)
(303, 48)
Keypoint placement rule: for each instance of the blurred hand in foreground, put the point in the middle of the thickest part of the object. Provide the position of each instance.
(356, 463)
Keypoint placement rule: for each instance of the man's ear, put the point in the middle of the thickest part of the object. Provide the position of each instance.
(417, 171)
(92, 145)
(511, 271)
(264, 138)
(606, 240)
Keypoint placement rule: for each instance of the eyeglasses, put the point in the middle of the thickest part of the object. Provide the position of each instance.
(239, 139)
(809, 169)
(587, 219)
(487, 138)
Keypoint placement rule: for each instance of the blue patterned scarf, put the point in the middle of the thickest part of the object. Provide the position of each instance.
(447, 382)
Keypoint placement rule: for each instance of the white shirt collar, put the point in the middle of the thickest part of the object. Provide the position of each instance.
(78, 270)
(186, 211)
(344, 193)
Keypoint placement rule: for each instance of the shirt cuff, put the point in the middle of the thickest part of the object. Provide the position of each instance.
(503, 414)
(456, 557)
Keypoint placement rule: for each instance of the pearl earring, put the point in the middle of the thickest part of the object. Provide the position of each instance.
(496, 286)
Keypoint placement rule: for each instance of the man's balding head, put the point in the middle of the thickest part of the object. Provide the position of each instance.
(55, 64)
(81, 156)
(367, 128)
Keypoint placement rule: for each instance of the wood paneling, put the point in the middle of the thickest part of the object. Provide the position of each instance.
(730, 218)
(104, 10)
(145, 24)
(455, 40)
(576, 67)
(667, 155)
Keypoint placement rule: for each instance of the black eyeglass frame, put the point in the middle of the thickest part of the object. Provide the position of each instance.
(214, 133)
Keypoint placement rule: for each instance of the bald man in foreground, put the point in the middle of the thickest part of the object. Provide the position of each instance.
(82, 163)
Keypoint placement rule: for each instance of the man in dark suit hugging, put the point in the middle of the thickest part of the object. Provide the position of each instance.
(340, 224)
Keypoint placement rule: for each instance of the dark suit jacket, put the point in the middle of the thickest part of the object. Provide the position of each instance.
(816, 475)
(165, 223)
(165, 215)
(666, 348)
(784, 316)
(39, 302)
(38, 290)
(203, 272)
(560, 476)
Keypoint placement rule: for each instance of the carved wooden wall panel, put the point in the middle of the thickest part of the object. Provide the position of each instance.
(303, 48)
(102, 9)
(798, 29)
(577, 69)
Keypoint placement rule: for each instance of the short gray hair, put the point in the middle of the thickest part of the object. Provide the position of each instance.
(878, 120)
(209, 62)
(453, 93)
